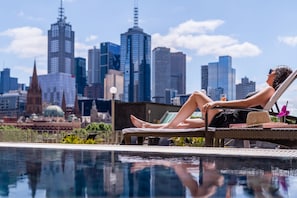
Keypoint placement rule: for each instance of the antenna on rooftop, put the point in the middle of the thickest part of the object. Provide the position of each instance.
(61, 11)
(135, 13)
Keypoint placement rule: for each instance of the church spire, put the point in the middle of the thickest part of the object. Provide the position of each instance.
(34, 95)
(34, 82)
(76, 110)
(64, 108)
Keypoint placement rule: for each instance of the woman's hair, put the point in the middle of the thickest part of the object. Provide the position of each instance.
(281, 74)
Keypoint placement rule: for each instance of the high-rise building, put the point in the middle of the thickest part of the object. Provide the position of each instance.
(204, 77)
(109, 59)
(13, 104)
(168, 73)
(34, 95)
(7, 83)
(80, 75)
(178, 72)
(61, 46)
(93, 65)
(220, 78)
(55, 85)
(161, 72)
(246, 86)
(135, 63)
(114, 78)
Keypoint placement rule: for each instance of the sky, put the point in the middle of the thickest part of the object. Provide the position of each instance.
(258, 35)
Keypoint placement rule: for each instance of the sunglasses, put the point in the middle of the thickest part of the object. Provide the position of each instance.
(270, 71)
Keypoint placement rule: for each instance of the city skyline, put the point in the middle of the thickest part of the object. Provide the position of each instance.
(203, 30)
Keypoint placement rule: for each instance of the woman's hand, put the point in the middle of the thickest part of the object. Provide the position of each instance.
(210, 105)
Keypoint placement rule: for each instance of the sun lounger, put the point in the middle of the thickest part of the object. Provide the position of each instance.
(148, 132)
(216, 136)
(285, 137)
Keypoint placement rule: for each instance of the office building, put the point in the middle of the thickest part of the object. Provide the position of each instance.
(53, 87)
(12, 104)
(220, 78)
(246, 86)
(109, 58)
(168, 73)
(80, 75)
(95, 90)
(93, 66)
(204, 77)
(61, 46)
(114, 78)
(135, 63)
(7, 83)
(178, 72)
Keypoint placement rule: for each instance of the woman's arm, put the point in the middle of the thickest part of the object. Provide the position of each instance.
(261, 98)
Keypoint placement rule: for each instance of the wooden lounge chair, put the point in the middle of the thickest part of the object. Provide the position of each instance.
(141, 133)
(212, 135)
(282, 135)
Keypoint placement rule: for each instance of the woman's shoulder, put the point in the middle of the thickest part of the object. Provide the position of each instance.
(262, 91)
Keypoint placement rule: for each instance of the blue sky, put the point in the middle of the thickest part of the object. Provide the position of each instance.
(257, 34)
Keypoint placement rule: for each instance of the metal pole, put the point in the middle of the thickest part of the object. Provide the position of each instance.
(113, 118)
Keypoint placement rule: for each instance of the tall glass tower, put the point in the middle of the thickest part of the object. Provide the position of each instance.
(109, 58)
(80, 75)
(135, 63)
(221, 78)
(61, 46)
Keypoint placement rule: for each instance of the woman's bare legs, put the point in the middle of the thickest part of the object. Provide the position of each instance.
(196, 100)
(143, 124)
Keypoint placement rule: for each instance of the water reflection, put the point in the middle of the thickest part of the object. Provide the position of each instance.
(76, 173)
(207, 183)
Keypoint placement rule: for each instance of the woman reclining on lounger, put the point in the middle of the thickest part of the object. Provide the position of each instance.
(217, 117)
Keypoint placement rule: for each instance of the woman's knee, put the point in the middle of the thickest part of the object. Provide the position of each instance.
(197, 94)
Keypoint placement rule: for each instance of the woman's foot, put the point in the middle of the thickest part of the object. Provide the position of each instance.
(138, 123)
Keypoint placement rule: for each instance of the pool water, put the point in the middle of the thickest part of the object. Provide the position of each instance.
(89, 173)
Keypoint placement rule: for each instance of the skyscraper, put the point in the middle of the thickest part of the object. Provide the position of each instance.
(178, 72)
(55, 85)
(61, 46)
(135, 63)
(161, 72)
(220, 78)
(80, 75)
(204, 77)
(7, 83)
(168, 74)
(246, 86)
(109, 58)
(93, 65)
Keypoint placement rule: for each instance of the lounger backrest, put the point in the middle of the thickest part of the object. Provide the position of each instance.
(282, 88)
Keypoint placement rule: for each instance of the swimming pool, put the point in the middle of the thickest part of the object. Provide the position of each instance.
(60, 170)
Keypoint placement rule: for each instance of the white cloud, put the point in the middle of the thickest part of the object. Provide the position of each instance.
(91, 38)
(26, 42)
(288, 40)
(195, 36)
(196, 27)
(81, 49)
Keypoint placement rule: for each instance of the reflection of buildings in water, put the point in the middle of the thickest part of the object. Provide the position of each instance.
(33, 170)
(12, 166)
(113, 180)
(57, 177)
